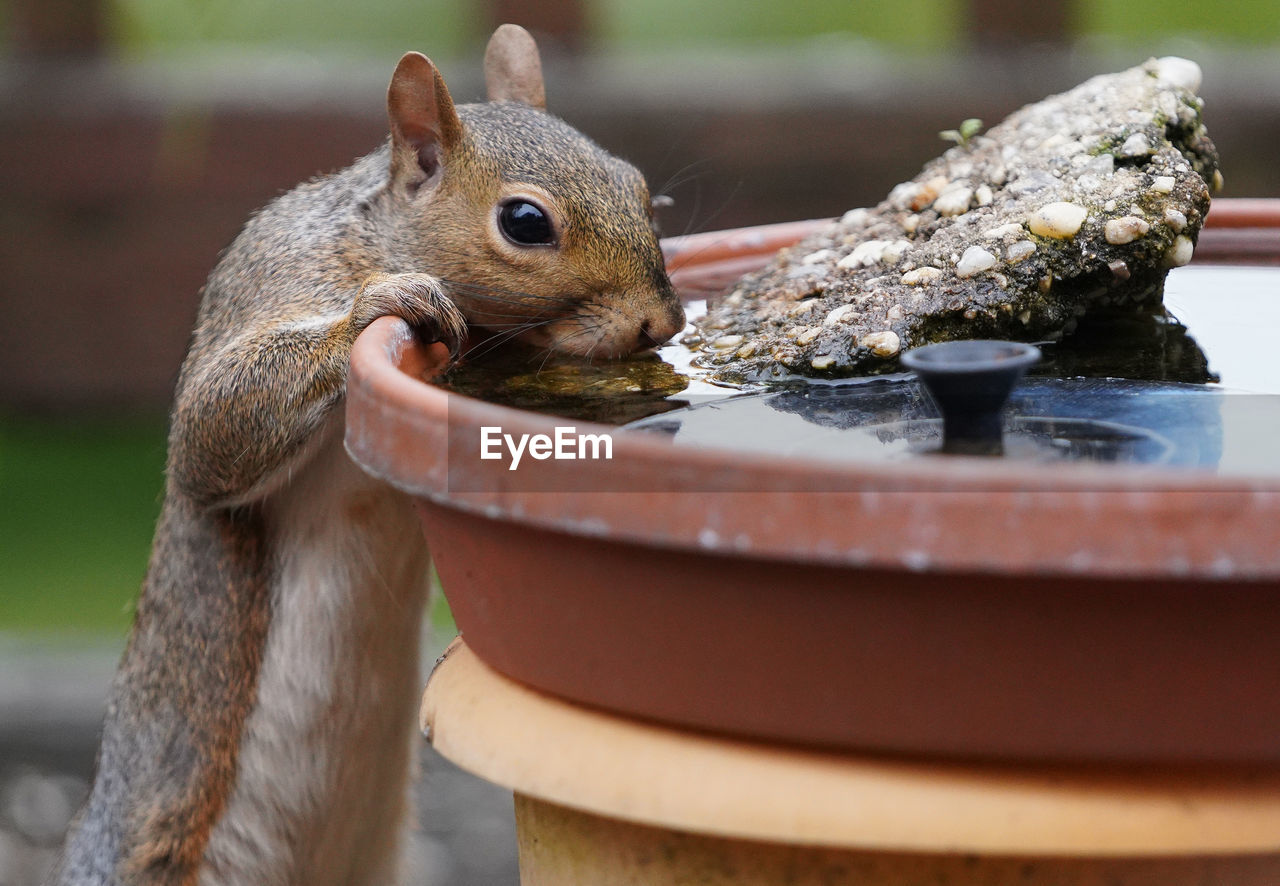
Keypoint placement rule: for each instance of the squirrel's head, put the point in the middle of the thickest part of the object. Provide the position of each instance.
(534, 228)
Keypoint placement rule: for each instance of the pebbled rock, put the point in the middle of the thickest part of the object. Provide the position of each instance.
(1015, 234)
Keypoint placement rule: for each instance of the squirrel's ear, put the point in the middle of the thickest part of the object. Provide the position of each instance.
(424, 124)
(512, 68)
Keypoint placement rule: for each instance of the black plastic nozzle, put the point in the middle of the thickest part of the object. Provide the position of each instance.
(970, 381)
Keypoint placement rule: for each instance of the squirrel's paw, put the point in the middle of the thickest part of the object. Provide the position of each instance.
(418, 299)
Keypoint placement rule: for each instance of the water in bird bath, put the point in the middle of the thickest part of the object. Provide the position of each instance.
(1218, 329)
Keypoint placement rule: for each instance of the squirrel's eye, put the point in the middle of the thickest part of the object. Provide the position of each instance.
(525, 224)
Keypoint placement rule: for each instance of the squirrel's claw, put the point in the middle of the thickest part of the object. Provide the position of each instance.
(420, 300)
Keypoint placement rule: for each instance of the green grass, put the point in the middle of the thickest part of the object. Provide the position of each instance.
(917, 24)
(451, 27)
(78, 503)
(448, 28)
(440, 27)
(1244, 21)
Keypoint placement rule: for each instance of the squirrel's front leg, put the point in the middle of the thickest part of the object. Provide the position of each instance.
(246, 411)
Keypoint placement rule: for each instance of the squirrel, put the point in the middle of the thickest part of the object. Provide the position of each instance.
(260, 727)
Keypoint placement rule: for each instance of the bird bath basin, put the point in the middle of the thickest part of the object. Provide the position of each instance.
(934, 607)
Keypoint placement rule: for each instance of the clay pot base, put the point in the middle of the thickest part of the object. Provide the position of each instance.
(607, 800)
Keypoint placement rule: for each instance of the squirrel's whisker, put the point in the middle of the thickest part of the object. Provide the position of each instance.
(493, 342)
(689, 172)
(706, 223)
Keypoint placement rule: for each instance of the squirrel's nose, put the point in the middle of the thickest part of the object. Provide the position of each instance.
(657, 330)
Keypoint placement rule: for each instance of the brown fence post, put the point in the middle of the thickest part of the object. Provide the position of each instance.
(1008, 24)
(57, 27)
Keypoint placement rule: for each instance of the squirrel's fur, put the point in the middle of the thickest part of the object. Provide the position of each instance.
(259, 730)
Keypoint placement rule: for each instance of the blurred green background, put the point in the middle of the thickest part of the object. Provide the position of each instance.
(80, 498)
(80, 490)
(144, 26)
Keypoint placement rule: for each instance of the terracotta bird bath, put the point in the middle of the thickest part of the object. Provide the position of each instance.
(962, 607)
(952, 612)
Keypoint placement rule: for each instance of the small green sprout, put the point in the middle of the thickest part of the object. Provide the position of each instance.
(961, 136)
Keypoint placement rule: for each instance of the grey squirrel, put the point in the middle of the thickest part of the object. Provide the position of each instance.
(260, 727)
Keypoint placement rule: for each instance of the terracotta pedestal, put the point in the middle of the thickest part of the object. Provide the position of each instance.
(607, 801)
